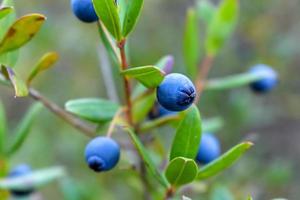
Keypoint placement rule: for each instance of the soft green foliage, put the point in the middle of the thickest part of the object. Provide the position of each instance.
(46, 62)
(188, 134)
(21, 32)
(149, 76)
(5, 11)
(133, 10)
(23, 128)
(221, 26)
(92, 109)
(35, 179)
(147, 159)
(142, 107)
(107, 10)
(224, 161)
(191, 42)
(205, 10)
(221, 193)
(2, 127)
(20, 87)
(181, 171)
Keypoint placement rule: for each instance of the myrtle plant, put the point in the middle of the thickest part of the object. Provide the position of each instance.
(154, 96)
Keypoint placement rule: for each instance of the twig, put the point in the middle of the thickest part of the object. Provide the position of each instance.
(169, 193)
(113, 122)
(72, 120)
(205, 67)
(127, 87)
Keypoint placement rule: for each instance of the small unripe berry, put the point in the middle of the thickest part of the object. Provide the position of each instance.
(269, 80)
(102, 154)
(209, 148)
(18, 171)
(84, 10)
(176, 92)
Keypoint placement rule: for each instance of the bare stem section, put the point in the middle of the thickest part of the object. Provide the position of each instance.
(124, 66)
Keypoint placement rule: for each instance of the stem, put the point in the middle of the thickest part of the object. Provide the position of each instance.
(169, 193)
(205, 67)
(72, 120)
(113, 122)
(124, 66)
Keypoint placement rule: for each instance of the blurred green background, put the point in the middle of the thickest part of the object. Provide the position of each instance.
(267, 32)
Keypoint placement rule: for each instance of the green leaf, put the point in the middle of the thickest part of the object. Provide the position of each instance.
(149, 76)
(132, 13)
(181, 171)
(148, 125)
(92, 109)
(2, 127)
(142, 107)
(221, 26)
(250, 198)
(191, 43)
(9, 58)
(212, 125)
(35, 179)
(46, 62)
(147, 159)
(21, 32)
(108, 13)
(24, 128)
(188, 135)
(4, 11)
(223, 162)
(206, 10)
(221, 193)
(233, 81)
(20, 87)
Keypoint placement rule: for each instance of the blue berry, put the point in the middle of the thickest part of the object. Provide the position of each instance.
(269, 80)
(209, 149)
(18, 171)
(176, 92)
(102, 154)
(159, 111)
(84, 10)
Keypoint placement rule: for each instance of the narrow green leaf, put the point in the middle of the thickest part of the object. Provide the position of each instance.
(142, 107)
(147, 159)
(9, 58)
(20, 87)
(149, 76)
(46, 62)
(24, 128)
(92, 109)
(233, 81)
(2, 127)
(33, 180)
(108, 13)
(159, 122)
(206, 10)
(21, 32)
(181, 171)
(4, 11)
(221, 26)
(188, 134)
(191, 42)
(250, 198)
(223, 162)
(132, 13)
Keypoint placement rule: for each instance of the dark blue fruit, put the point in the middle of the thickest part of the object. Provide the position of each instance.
(159, 111)
(269, 80)
(84, 10)
(19, 171)
(102, 154)
(209, 149)
(176, 92)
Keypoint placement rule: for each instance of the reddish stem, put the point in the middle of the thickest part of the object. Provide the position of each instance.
(205, 67)
(124, 66)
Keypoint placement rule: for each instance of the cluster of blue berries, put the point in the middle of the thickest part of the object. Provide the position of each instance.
(84, 10)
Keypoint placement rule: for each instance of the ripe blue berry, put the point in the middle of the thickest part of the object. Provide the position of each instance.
(84, 10)
(269, 80)
(159, 111)
(102, 154)
(18, 171)
(176, 92)
(209, 149)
